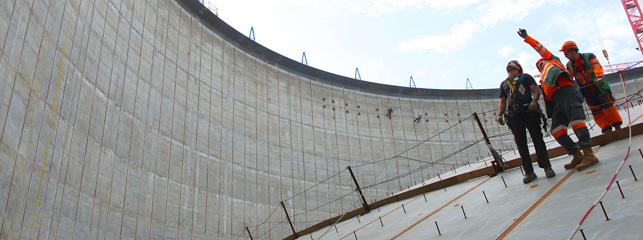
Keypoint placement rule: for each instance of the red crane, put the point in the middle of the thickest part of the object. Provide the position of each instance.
(634, 14)
(618, 67)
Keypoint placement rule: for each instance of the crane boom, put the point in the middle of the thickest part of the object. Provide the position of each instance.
(634, 14)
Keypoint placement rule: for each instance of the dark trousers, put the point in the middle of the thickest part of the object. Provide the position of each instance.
(531, 122)
(568, 110)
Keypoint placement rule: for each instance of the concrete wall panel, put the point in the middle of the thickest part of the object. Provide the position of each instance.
(170, 124)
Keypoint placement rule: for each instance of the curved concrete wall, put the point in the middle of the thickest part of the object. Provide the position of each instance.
(154, 119)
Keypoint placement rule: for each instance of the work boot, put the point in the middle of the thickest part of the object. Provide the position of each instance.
(578, 157)
(589, 159)
(549, 172)
(617, 127)
(529, 177)
(606, 129)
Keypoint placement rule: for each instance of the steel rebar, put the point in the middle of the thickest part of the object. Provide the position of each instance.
(604, 212)
(619, 189)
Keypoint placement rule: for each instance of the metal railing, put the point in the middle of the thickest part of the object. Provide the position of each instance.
(210, 6)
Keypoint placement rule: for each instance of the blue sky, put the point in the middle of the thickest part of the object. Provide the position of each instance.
(440, 43)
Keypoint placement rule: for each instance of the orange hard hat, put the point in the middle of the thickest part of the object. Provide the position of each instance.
(568, 45)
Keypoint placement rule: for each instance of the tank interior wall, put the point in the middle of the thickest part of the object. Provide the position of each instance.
(132, 118)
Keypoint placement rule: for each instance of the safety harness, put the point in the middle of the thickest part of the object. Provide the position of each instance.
(517, 81)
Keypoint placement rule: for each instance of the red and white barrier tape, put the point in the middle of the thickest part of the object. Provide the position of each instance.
(629, 146)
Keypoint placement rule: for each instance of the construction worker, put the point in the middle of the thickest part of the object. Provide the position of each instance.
(389, 111)
(587, 71)
(523, 114)
(564, 105)
(417, 120)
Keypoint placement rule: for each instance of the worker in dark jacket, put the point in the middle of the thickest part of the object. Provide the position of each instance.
(587, 71)
(564, 105)
(417, 120)
(519, 96)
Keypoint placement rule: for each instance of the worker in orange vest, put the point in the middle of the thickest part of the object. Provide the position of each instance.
(589, 75)
(564, 105)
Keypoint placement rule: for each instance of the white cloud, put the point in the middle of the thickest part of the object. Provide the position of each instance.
(449, 3)
(374, 64)
(505, 51)
(490, 13)
(486, 29)
(460, 34)
(528, 62)
(446, 74)
(374, 8)
(496, 11)
(612, 25)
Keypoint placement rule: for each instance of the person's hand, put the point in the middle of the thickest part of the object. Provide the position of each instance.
(500, 120)
(533, 106)
(600, 82)
(522, 33)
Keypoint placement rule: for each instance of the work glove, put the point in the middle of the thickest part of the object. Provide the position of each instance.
(501, 120)
(533, 106)
(600, 82)
(522, 33)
